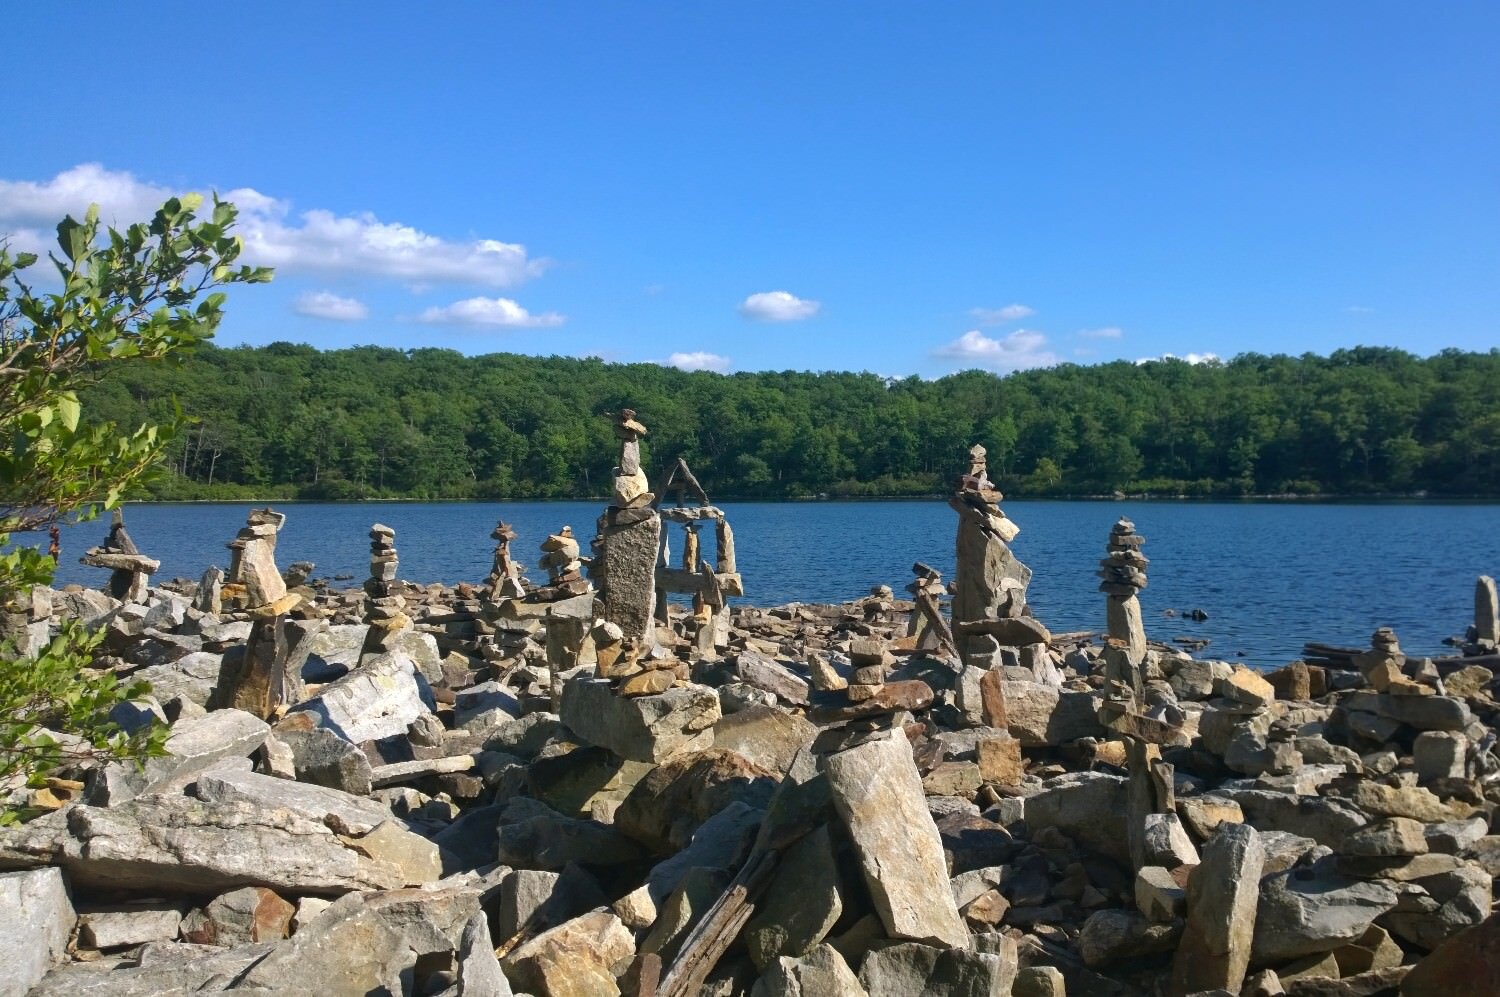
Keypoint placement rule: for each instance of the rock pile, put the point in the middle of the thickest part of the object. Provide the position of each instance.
(505, 580)
(130, 570)
(515, 795)
(384, 604)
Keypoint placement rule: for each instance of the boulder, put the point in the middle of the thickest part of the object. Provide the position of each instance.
(877, 791)
(1041, 716)
(324, 758)
(820, 973)
(174, 844)
(380, 698)
(350, 814)
(1466, 965)
(1088, 807)
(909, 968)
(479, 973)
(250, 914)
(1113, 936)
(577, 957)
(1312, 909)
(1222, 897)
(35, 928)
(641, 728)
(801, 905)
(766, 736)
(195, 745)
(666, 807)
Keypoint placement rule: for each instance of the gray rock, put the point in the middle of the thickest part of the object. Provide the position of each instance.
(160, 968)
(1088, 807)
(334, 652)
(323, 758)
(193, 676)
(479, 972)
(117, 928)
(1324, 819)
(1313, 909)
(1166, 843)
(195, 745)
(877, 792)
(381, 698)
(820, 973)
(349, 949)
(35, 928)
(1439, 755)
(801, 905)
(717, 844)
(771, 676)
(1453, 837)
(1395, 836)
(534, 836)
(641, 728)
(544, 899)
(351, 814)
(767, 736)
(173, 844)
(1112, 936)
(483, 706)
(909, 968)
(1419, 712)
(1223, 894)
(1040, 716)
(1454, 901)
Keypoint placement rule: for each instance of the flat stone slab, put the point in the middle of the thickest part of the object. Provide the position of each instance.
(641, 728)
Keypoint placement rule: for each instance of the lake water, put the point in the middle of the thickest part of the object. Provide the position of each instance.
(1271, 576)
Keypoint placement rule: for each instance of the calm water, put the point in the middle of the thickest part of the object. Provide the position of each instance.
(1271, 576)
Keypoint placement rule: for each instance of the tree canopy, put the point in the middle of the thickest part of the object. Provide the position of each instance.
(290, 420)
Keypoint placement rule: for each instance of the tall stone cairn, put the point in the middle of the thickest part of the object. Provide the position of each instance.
(1123, 571)
(1486, 614)
(629, 541)
(504, 581)
(990, 582)
(384, 605)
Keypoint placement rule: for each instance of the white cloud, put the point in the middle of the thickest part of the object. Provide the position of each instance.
(1192, 358)
(698, 361)
(326, 304)
(1020, 350)
(999, 316)
(1107, 332)
(778, 306)
(314, 240)
(501, 312)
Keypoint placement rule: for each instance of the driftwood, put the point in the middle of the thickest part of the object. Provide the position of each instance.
(708, 942)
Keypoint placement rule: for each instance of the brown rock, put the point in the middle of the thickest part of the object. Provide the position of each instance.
(1000, 761)
(1466, 965)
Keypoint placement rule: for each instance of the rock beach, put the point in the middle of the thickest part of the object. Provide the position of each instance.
(561, 790)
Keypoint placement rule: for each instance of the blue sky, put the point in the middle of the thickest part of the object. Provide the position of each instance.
(900, 188)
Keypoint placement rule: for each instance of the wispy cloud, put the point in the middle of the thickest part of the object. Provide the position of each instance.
(495, 312)
(1000, 316)
(1192, 358)
(778, 306)
(315, 240)
(1019, 350)
(1107, 332)
(698, 360)
(326, 304)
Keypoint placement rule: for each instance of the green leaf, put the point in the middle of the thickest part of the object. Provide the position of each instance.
(68, 410)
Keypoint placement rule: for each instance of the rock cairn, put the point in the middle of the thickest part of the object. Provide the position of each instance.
(629, 539)
(253, 580)
(1123, 571)
(560, 559)
(505, 580)
(385, 606)
(709, 585)
(1486, 638)
(990, 582)
(130, 570)
(265, 680)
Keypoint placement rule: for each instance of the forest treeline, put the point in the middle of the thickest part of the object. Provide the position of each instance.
(287, 420)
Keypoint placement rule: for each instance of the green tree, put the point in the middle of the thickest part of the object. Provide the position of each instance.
(141, 295)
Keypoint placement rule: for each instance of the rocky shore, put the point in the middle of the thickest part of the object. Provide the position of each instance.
(581, 787)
